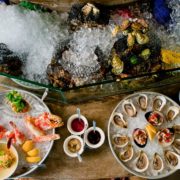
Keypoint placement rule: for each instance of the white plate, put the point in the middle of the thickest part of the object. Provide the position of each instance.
(37, 107)
(140, 122)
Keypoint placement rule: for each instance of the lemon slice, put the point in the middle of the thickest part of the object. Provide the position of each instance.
(34, 152)
(33, 159)
(28, 145)
(151, 131)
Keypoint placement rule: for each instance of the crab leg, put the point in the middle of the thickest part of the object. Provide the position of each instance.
(19, 136)
(49, 137)
(33, 129)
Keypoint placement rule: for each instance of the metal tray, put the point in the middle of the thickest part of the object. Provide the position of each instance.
(113, 130)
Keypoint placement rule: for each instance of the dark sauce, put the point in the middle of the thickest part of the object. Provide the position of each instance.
(77, 125)
(94, 137)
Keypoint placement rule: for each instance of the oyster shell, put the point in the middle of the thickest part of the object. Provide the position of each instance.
(166, 136)
(159, 103)
(172, 112)
(140, 137)
(130, 40)
(120, 140)
(172, 159)
(129, 108)
(155, 118)
(157, 163)
(143, 101)
(141, 162)
(176, 128)
(176, 145)
(119, 121)
(127, 154)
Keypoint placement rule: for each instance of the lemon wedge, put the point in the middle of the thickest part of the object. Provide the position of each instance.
(151, 131)
(28, 145)
(34, 152)
(33, 159)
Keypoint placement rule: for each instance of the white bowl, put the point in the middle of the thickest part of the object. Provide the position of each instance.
(65, 146)
(6, 173)
(70, 121)
(94, 146)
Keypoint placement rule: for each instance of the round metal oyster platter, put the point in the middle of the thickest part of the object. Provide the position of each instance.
(37, 106)
(144, 134)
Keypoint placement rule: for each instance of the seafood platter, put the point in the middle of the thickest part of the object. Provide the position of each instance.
(27, 126)
(144, 134)
(91, 43)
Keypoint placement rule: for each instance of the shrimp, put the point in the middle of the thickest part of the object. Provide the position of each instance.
(48, 121)
(2, 132)
(33, 129)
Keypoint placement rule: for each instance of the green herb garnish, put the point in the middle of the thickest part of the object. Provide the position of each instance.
(17, 100)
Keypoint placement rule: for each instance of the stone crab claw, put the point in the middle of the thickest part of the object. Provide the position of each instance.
(48, 121)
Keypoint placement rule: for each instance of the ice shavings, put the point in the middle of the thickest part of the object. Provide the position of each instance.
(34, 35)
(81, 54)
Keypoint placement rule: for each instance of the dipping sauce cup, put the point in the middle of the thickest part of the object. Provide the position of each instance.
(94, 139)
(73, 145)
(76, 125)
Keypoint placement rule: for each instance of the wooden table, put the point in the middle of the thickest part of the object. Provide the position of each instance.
(98, 163)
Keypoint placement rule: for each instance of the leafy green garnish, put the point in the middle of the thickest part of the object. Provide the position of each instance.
(17, 100)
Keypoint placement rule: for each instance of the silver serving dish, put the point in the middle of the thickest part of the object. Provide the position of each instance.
(139, 122)
(37, 107)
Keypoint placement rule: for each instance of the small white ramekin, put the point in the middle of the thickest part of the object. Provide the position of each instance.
(74, 116)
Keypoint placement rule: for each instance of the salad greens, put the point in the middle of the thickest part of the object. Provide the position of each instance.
(17, 100)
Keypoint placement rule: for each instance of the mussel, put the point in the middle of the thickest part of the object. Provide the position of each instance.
(140, 137)
(172, 159)
(127, 154)
(172, 112)
(129, 108)
(143, 101)
(176, 145)
(141, 162)
(157, 163)
(119, 121)
(159, 103)
(166, 136)
(120, 140)
(155, 118)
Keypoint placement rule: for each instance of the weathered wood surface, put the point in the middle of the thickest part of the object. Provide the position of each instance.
(98, 163)
(64, 5)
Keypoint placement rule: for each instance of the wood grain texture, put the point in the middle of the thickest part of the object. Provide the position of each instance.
(65, 5)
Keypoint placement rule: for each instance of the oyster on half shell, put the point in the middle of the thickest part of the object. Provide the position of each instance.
(172, 159)
(166, 136)
(176, 128)
(120, 140)
(143, 101)
(119, 121)
(127, 154)
(172, 112)
(129, 108)
(159, 103)
(157, 163)
(176, 145)
(141, 162)
(155, 118)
